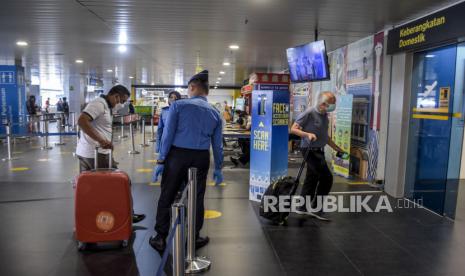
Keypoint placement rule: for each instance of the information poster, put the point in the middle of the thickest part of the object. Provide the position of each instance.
(12, 98)
(269, 137)
(342, 133)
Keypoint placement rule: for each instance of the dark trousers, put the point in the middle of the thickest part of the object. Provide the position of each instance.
(244, 158)
(319, 179)
(174, 178)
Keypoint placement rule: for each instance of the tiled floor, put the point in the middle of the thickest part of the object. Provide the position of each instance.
(36, 210)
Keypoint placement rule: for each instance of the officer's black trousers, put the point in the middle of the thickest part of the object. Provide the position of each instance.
(174, 178)
(318, 179)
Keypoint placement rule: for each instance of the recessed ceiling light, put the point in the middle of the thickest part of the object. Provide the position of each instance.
(222, 73)
(123, 37)
(216, 87)
(234, 47)
(79, 61)
(217, 82)
(219, 79)
(152, 83)
(109, 70)
(430, 56)
(21, 43)
(131, 77)
(226, 63)
(122, 48)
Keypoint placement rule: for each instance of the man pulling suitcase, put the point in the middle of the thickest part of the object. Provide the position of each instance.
(96, 122)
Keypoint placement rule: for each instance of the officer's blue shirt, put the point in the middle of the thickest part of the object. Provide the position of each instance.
(161, 125)
(193, 124)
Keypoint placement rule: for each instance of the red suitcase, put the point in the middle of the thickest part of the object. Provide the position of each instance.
(103, 206)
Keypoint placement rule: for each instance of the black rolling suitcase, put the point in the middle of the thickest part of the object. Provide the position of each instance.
(286, 186)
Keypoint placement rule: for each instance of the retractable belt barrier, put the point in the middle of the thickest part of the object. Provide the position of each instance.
(184, 262)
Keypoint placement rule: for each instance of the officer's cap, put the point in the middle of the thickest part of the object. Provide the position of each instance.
(202, 76)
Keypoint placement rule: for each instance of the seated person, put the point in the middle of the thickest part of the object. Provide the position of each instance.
(244, 143)
(240, 116)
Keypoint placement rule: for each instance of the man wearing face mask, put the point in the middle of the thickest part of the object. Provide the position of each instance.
(312, 126)
(192, 126)
(96, 122)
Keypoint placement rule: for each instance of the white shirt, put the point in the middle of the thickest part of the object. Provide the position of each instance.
(102, 121)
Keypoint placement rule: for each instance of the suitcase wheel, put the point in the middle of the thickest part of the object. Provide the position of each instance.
(124, 243)
(81, 246)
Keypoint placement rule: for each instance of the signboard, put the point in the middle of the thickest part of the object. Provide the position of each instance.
(269, 78)
(269, 137)
(12, 97)
(437, 28)
(342, 133)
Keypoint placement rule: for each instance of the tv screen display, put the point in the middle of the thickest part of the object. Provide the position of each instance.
(308, 62)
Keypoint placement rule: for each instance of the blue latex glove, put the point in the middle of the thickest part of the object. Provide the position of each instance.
(218, 176)
(158, 170)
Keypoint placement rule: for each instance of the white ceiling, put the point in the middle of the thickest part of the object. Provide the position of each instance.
(165, 36)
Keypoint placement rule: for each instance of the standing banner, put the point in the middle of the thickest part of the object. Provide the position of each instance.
(342, 133)
(269, 137)
(12, 97)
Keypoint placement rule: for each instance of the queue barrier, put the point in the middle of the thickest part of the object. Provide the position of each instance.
(184, 262)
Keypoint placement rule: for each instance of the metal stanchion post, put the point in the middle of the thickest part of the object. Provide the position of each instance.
(131, 132)
(122, 136)
(152, 126)
(177, 217)
(45, 135)
(39, 119)
(60, 127)
(73, 120)
(8, 142)
(143, 134)
(139, 124)
(194, 264)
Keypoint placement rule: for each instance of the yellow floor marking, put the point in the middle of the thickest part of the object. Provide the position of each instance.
(65, 152)
(144, 170)
(151, 161)
(358, 183)
(17, 152)
(19, 169)
(212, 214)
(154, 183)
(212, 183)
(43, 160)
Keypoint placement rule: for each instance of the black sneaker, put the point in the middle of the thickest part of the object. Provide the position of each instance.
(201, 242)
(137, 218)
(158, 243)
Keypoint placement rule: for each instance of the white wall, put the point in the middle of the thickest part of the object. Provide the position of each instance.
(221, 95)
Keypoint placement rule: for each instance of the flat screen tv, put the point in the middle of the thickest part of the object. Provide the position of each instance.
(308, 62)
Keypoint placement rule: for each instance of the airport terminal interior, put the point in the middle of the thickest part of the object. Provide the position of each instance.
(357, 103)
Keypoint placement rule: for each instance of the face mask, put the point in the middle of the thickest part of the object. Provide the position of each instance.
(331, 107)
(118, 106)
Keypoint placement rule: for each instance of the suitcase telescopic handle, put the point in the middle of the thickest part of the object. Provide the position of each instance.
(302, 165)
(110, 161)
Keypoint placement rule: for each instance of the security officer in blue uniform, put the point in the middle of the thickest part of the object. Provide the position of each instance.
(192, 126)
(172, 97)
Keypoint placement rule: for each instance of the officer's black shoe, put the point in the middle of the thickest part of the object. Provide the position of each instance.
(137, 218)
(201, 242)
(234, 160)
(158, 243)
